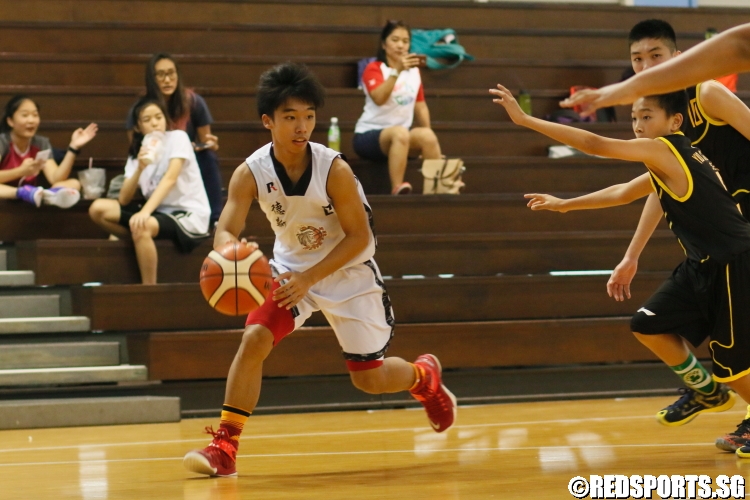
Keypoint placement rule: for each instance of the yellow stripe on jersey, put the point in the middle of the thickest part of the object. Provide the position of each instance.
(684, 168)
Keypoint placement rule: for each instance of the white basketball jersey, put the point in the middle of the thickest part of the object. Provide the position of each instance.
(306, 224)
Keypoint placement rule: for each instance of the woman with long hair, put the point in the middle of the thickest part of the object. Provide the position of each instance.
(189, 112)
(394, 100)
(24, 155)
(176, 205)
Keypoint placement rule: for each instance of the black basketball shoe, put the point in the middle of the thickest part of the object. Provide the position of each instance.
(693, 403)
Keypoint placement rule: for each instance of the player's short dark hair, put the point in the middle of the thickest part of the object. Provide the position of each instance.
(656, 29)
(288, 81)
(135, 116)
(672, 103)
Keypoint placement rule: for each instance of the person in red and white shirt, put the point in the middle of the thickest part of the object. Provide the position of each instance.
(394, 99)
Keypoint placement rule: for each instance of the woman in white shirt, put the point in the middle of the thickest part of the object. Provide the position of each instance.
(394, 98)
(176, 205)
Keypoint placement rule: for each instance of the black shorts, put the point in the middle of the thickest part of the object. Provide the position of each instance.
(367, 145)
(703, 300)
(169, 227)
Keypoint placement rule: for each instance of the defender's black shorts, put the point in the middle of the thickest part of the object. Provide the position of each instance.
(704, 300)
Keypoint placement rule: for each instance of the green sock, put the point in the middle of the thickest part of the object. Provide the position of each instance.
(695, 376)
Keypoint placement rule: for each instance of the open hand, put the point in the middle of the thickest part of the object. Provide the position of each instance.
(618, 286)
(505, 99)
(544, 202)
(83, 136)
(593, 99)
(293, 291)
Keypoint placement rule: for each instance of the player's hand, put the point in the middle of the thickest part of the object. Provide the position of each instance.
(251, 245)
(138, 222)
(505, 99)
(545, 202)
(83, 136)
(618, 286)
(593, 99)
(293, 291)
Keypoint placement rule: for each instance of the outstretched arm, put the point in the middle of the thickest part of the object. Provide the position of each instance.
(619, 194)
(618, 286)
(642, 150)
(723, 54)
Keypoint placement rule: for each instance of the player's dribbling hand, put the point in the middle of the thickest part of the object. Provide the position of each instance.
(505, 99)
(293, 291)
(545, 202)
(618, 286)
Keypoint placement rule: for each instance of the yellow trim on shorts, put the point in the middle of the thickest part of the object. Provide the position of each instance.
(684, 167)
(731, 331)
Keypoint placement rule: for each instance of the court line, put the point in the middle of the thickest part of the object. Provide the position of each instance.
(249, 437)
(371, 452)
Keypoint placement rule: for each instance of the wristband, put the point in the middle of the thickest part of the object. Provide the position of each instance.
(74, 150)
(394, 72)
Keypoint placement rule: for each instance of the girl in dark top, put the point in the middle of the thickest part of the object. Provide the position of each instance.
(188, 111)
(24, 155)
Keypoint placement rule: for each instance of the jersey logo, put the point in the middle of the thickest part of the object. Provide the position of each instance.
(270, 187)
(694, 113)
(311, 237)
(328, 209)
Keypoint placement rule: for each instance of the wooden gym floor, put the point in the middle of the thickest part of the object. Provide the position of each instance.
(525, 450)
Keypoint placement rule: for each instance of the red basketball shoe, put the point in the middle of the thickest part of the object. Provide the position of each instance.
(438, 401)
(217, 459)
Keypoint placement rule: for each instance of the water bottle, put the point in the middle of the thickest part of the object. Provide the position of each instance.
(334, 135)
(524, 100)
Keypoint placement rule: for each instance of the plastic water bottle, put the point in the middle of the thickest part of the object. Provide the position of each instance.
(524, 100)
(334, 135)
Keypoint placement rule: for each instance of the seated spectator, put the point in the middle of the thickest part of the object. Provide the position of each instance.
(19, 165)
(187, 111)
(176, 205)
(394, 98)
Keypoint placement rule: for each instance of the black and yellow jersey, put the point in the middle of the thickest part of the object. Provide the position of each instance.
(727, 149)
(706, 220)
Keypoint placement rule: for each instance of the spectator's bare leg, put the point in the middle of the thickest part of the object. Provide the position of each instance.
(145, 251)
(394, 142)
(7, 192)
(68, 183)
(424, 140)
(106, 214)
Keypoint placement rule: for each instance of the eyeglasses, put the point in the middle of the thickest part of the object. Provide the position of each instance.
(163, 75)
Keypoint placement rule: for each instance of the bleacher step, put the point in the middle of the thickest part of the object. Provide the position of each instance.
(3, 260)
(59, 355)
(16, 278)
(73, 375)
(61, 324)
(24, 414)
(30, 306)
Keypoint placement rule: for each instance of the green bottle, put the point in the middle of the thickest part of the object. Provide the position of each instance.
(334, 135)
(524, 100)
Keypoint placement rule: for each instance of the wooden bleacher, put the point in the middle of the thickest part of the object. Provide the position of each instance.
(83, 61)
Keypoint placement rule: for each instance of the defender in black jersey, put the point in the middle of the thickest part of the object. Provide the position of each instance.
(716, 274)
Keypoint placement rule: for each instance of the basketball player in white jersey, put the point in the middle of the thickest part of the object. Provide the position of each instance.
(323, 260)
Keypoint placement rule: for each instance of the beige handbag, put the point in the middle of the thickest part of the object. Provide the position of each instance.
(443, 176)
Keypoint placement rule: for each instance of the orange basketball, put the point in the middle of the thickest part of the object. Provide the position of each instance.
(235, 280)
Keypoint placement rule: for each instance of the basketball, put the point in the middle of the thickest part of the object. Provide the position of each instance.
(235, 280)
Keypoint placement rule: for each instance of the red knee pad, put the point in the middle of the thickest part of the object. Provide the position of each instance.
(358, 366)
(279, 320)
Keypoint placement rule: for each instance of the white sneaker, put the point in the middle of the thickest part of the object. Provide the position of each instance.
(61, 197)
